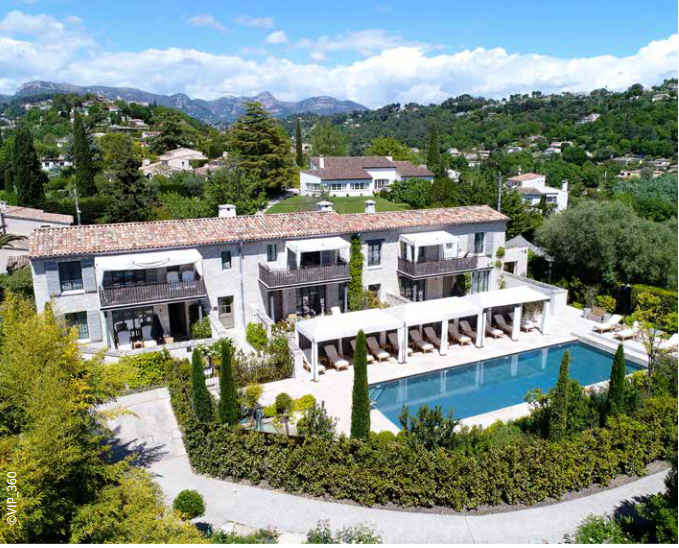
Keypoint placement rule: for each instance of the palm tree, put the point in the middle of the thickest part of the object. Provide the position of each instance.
(7, 239)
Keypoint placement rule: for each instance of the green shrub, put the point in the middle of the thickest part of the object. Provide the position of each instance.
(305, 402)
(607, 302)
(316, 422)
(601, 530)
(189, 504)
(150, 368)
(359, 534)
(201, 329)
(263, 536)
(385, 437)
(251, 395)
(284, 404)
(255, 334)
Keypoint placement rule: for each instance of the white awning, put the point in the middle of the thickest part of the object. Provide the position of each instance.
(423, 312)
(328, 328)
(506, 297)
(421, 239)
(140, 261)
(317, 244)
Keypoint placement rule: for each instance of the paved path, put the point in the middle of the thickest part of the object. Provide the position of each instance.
(153, 429)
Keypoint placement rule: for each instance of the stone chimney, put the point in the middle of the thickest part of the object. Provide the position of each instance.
(321, 162)
(324, 206)
(370, 206)
(564, 185)
(227, 210)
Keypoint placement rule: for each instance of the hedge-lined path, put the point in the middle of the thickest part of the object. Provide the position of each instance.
(152, 430)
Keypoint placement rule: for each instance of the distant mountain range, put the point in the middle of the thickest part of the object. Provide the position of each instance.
(224, 109)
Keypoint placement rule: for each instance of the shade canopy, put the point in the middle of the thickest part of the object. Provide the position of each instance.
(423, 312)
(142, 261)
(507, 297)
(317, 244)
(341, 326)
(421, 239)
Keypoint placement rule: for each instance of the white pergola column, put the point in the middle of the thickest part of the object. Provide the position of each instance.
(480, 328)
(402, 344)
(544, 328)
(444, 338)
(272, 308)
(314, 360)
(516, 325)
(104, 328)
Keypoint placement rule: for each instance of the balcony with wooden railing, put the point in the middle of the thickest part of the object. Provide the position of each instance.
(274, 278)
(147, 293)
(437, 267)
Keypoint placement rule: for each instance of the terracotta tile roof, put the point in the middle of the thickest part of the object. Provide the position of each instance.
(354, 167)
(30, 214)
(337, 174)
(525, 177)
(360, 162)
(407, 169)
(124, 237)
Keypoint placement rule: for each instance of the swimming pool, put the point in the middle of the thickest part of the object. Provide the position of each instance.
(489, 385)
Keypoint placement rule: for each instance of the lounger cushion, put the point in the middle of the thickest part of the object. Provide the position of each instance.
(427, 346)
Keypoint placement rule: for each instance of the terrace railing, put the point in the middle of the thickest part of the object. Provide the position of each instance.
(151, 293)
(434, 267)
(286, 277)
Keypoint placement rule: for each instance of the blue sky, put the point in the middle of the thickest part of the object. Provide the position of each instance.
(373, 52)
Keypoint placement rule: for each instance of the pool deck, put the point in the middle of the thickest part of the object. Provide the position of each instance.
(334, 388)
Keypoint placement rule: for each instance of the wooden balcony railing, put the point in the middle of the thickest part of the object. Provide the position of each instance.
(151, 293)
(284, 277)
(433, 267)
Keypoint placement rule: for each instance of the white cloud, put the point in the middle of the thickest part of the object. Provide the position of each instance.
(276, 37)
(364, 42)
(317, 56)
(382, 8)
(205, 20)
(255, 22)
(42, 47)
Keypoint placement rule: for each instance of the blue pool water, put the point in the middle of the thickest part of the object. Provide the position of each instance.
(489, 385)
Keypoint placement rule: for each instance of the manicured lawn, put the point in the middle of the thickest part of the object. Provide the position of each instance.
(354, 204)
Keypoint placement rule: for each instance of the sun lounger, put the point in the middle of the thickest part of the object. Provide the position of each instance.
(456, 336)
(671, 344)
(417, 341)
(526, 325)
(331, 353)
(608, 325)
(502, 324)
(625, 334)
(376, 350)
(320, 368)
(493, 331)
(432, 337)
(393, 343)
(369, 357)
(467, 330)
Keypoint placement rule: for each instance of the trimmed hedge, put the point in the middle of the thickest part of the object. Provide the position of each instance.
(668, 299)
(408, 475)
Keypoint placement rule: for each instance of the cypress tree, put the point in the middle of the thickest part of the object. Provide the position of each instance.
(298, 145)
(360, 400)
(434, 151)
(558, 416)
(202, 404)
(128, 190)
(616, 386)
(228, 398)
(28, 177)
(355, 292)
(82, 156)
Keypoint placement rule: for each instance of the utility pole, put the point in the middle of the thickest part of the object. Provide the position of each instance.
(499, 192)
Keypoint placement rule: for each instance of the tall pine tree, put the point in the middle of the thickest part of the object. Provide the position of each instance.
(434, 151)
(263, 148)
(127, 189)
(202, 404)
(298, 145)
(558, 415)
(28, 178)
(360, 399)
(355, 292)
(616, 387)
(82, 156)
(228, 397)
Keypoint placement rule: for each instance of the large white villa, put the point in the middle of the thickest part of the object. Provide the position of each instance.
(356, 175)
(533, 188)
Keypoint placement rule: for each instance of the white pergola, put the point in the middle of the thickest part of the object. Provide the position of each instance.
(334, 243)
(342, 326)
(425, 312)
(416, 240)
(513, 296)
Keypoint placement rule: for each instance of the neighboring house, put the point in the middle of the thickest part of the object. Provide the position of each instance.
(178, 159)
(22, 221)
(356, 175)
(533, 186)
(114, 281)
(515, 260)
(53, 164)
(589, 118)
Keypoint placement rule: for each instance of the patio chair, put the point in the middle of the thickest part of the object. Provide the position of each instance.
(467, 330)
(146, 336)
(625, 334)
(394, 344)
(454, 334)
(307, 362)
(608, 325)
(172, 277)
(376, 350)
(493, 331)
(188, 276)
(419, 342)
(432, 337)
(331, 353)
(502, 324)
(124, 340)
(368, 355)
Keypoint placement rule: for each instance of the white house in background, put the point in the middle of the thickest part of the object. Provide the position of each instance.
(589, 118)
(356, 175)
(22, 221)
(178, 159)
(533, 186)
(53, 164)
